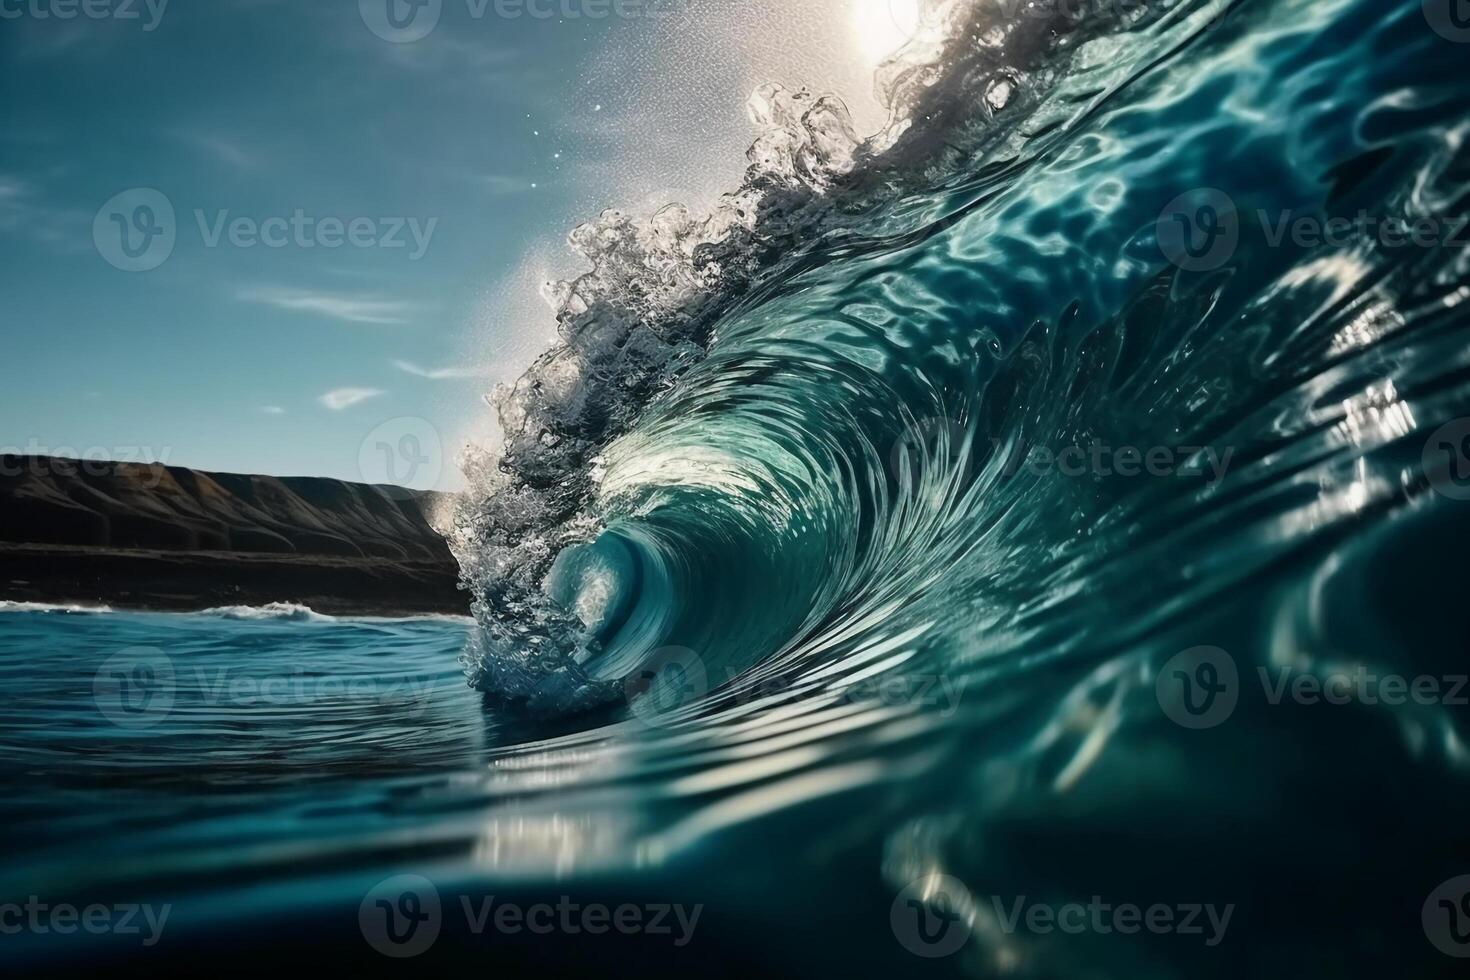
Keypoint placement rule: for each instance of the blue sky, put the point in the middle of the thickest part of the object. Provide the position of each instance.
(412, 194)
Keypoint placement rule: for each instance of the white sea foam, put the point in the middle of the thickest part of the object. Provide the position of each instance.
(295, 612)
(288, 611)
(51, 607)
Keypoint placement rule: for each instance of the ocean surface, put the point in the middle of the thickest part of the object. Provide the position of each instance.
(1027, 542)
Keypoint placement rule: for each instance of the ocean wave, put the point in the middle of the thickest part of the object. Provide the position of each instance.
(659, 289)
(1012, 513)
(807, 423)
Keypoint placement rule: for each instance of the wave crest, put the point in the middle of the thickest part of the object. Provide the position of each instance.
(648, 310)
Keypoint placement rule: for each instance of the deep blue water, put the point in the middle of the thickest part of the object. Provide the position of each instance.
(1055, 506)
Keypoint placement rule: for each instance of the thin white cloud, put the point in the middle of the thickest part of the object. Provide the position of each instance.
(487, 181)
(503, 183)
(273, 410)
(223, 149)
(484, 61)
(25, 212)
(13, 201)
(341, 398)
(339, 306)
(438, 374)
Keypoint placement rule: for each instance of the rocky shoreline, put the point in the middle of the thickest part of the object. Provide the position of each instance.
(148, 536)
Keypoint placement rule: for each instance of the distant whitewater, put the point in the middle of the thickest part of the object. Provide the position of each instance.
(7, 605)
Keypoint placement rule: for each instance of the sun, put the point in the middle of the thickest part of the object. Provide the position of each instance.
(881, 27)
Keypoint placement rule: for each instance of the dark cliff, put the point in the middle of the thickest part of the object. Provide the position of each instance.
(164, 537)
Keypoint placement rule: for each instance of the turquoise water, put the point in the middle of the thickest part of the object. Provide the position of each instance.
(1055, 502)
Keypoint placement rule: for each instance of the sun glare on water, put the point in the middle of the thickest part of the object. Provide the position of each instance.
(881, 27)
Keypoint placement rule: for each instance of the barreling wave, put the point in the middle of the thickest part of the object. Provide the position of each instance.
(806, 424)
